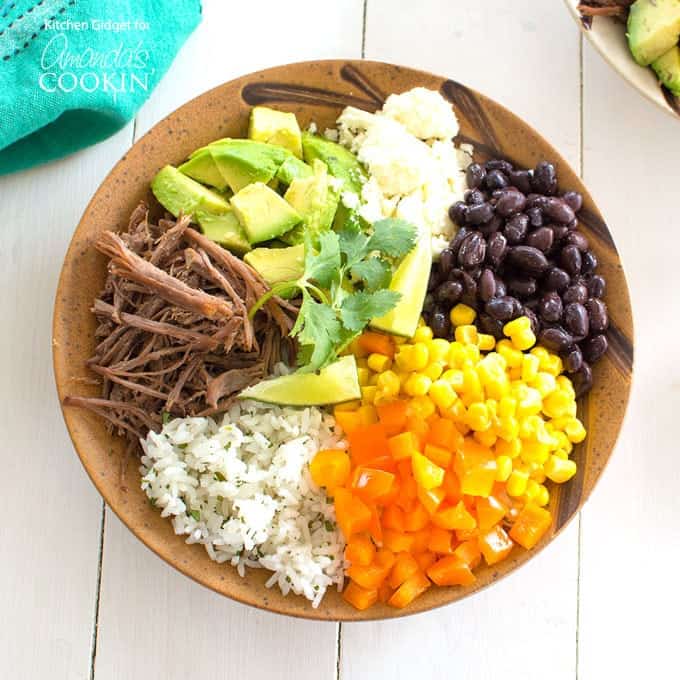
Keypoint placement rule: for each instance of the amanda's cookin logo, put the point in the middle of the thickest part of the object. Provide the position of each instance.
(119, 70)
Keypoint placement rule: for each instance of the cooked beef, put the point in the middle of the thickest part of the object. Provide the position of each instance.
(591, 8)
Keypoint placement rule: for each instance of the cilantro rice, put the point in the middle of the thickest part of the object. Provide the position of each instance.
(243, 490)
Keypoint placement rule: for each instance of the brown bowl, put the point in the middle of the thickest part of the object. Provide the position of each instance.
(314, 91)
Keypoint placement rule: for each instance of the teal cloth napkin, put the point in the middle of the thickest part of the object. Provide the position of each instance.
(73, 72)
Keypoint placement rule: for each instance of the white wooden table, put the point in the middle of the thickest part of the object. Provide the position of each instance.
(81, 598)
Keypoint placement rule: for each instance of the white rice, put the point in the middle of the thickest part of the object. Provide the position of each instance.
(243, 490)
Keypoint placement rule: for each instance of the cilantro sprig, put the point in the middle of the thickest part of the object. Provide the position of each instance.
(344, 286)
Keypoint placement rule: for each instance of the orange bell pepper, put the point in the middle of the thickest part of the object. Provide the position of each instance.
(441, 541)
(360, 598)
(368, 443)
(384, 592)
(425, 472)
(466, 534)
(347, 420)
(495, 545)
(330, 468)
(420, 429)
(360, 550)
(444, 433)
(369, 577)
(529, 527)
(385, 558)
(404, 566)
(421, 539)
(451, 571)
(397, 542)
(469, 552)
(409, 590)
(374, 524)
(371, 484)
(402, 445)
(393, 518)
(451, 486)
(392, 414)
(438, 455)
(352, 514)
(376, 343)
(425, 559)
(489, 511)
(431, 499)
(417, 518)
(454, 517)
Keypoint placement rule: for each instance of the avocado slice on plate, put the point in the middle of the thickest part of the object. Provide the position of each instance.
(653, 28)
(667, 68)
(334, 384)
(203, 168)
(341, 163)
(275, 127)
(275, 265)
(178, 193)
(226, 230)
(293, 168)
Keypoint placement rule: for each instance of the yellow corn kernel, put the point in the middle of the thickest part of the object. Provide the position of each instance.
(466, 334)
(472, 354)
(533, 452)
(462, 315)
(471, 382)
(512, 356)
(373, 380)
(507, 406)
(542, 497)
(545, 383)
(478, 417)
(442, 394)
(503, 468)
(361, 362)
(367, 414)
(486, 342)
(492, 406)
(517, 483)
(422, 407)
(528, 426)
(561, 453)
(564, 384)
(485, 438)
(521, 323)
(378, 362)
(454, 376)
(559, 470)
(530, 364)
(457, 413)
(575, 431)
(417, 385)
(538, 475)
(438, 349)
(456, 355)
(533, 489)
(508, 428)
(363, 374)
(510, 448)
(422, 334)
(553, 364)
(529, 403)
(348, 405)
(524, 340)
(398, 340)
(368, 394)
(558, 404)
(388, 382)
(541, 352)
(434, 370)
(420, 356)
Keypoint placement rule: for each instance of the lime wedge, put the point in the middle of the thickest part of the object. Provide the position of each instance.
(336, 383)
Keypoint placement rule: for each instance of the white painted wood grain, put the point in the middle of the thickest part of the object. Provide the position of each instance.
(527, 623)
(49, 536)
(631, 526)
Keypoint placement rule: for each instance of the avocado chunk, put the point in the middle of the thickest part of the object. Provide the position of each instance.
(653, 28)
(226, 230)
(341, 163)
(275, 127)
(316, 200)
(202, 168)
(293, 168)
(178, 193)
(410, 279)
(244, 161)
(667, 68)
(276, 265)
(334, 384)
(263, 214)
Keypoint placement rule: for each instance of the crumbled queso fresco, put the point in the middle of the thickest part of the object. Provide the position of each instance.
(415, 171)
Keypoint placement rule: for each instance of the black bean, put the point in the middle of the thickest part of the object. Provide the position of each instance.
(544, 179)
(496, 249)
(495, 179)
(446, 261)
(573, 199)
(528, 259)
(491, 326)
(510, 202)
(522, 286)
(597, 286)
(531, 315)
(474, 197)
(469, 285)
(454, 246)
(555, 339)
(535, 216)
(559, 231)
(458, 212)
(501, 288)
(558, 211)
(433, 281)
(576, 238)
(573, 359)
(576, 319)
(577, 292)
(474, 174)
(501, 308)
(541, 238)
(428, 302)
(449, 292)
(516, 229)
(550, 307)
(570, 259)
(493, 225)
(486, 286)
(439, 323)
(599, 318)
(517, 307)
(589, 262)
(478, 214)
(583, 380)
(499, 164)
(536, 201)
(521, 179)
(532, 303)
(556, 279)
(472, 250)
(572, 225)
(594, 347)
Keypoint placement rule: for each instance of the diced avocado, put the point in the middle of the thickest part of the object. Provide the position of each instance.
(244, 161)
(263, 214)
(178, 193)
(316, 200)
(202, 168)
(334, 384)
(276, 265)
(341, 163)
(293, 168)
(667, 68)
(410, 279)
(226, 230)
(275, 127)
(653, 28)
